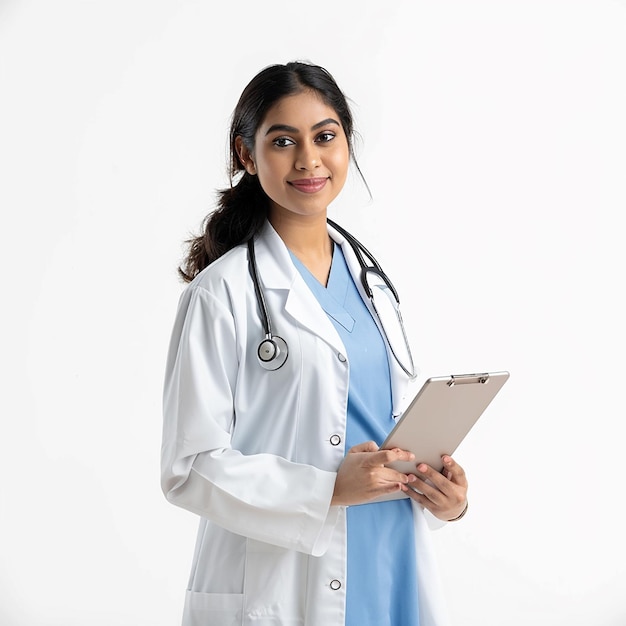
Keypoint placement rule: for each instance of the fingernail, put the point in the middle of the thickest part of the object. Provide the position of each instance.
(422, 467)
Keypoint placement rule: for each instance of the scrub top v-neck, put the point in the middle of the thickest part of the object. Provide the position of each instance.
(381, 574)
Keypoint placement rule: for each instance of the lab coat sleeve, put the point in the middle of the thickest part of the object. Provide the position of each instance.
(261, 496)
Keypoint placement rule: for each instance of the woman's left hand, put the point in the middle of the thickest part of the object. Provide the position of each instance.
(443, 493)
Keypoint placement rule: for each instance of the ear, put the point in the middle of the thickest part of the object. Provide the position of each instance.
(245, 156)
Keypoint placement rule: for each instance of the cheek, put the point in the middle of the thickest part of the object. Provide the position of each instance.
(269, 170)
(341, 163)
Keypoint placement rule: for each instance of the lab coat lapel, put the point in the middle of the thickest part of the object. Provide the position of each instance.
(277, 272)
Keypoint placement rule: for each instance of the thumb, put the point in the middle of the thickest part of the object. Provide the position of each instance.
(367, 446)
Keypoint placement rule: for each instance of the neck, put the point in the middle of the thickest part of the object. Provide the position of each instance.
(307, 237)
(302, 234)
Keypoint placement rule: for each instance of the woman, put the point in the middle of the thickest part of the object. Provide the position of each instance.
(267, 388)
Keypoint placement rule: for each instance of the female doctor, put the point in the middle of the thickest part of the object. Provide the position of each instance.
(283, 377)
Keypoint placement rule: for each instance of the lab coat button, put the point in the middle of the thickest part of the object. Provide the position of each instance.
(335, 440)
(341, 357)
(335, 585)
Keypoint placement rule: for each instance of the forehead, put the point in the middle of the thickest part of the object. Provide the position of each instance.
(301, 110)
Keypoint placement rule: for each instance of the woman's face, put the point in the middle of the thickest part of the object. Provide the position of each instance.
(301, 155)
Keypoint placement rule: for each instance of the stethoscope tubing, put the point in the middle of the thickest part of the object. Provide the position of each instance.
(252, 267)
(359, 250)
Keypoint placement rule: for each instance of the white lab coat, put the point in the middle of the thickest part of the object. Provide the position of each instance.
(252, 451)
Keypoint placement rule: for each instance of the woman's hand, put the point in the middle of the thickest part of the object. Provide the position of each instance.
(443, 493)
(362, 475)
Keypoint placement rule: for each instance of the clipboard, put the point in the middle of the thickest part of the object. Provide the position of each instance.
(440, 416)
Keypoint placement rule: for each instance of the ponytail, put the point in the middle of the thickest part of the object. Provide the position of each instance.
(240, 214)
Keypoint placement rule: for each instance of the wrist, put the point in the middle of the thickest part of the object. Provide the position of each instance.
(461, 514)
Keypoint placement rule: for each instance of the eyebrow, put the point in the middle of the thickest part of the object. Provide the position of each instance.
(292, 129)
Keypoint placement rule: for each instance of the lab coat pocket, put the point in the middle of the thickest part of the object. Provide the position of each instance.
(217, 609)
(275, 582)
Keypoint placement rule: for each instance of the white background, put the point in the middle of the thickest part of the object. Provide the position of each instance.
(494, 142)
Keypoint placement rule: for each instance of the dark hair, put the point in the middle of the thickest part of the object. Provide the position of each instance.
(242, 208)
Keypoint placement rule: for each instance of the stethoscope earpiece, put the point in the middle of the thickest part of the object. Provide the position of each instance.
(272, 353)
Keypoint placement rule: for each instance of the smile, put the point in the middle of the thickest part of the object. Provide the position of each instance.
(309, 185)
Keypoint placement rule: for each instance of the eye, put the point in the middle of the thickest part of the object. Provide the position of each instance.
(325, 137)
(283, 142)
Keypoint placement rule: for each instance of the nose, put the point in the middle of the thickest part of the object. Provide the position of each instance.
(308, 157)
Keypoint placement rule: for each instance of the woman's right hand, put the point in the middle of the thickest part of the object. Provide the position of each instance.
(362, 475)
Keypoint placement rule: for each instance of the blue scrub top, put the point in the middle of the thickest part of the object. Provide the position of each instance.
(381, 578)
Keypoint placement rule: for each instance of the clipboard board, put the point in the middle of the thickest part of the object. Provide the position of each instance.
(439, 418)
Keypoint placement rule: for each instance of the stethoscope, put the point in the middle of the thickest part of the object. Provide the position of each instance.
(273, 350)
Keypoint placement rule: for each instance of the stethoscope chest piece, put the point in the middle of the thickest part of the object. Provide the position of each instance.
(272, 353)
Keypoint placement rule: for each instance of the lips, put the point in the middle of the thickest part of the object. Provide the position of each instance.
(309, 185)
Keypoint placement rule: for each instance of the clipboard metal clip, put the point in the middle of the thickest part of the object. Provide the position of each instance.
(468, 379)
